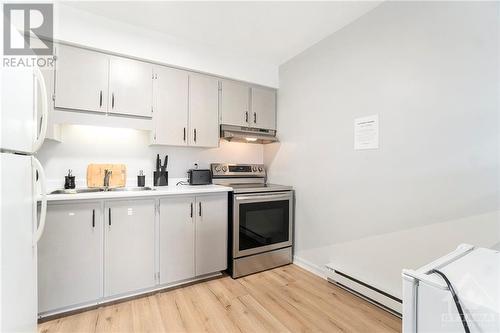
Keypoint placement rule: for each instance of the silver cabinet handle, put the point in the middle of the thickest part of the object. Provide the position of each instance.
(191, 210)
(195, 135)
(184, 134)
(100, 98)
(109, 217)
(112, 100)
(199, 211)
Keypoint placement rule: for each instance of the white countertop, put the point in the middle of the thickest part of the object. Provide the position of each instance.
(158, 191)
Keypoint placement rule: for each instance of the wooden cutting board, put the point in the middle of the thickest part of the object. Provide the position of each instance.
(95, 175)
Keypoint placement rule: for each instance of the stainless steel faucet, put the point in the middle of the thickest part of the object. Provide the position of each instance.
(107, 175)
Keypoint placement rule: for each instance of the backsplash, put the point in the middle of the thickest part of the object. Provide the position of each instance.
(83, 145)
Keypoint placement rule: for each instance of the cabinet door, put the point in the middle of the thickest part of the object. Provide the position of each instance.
(235, 98)
(211, 233)
(263, 108)
(130, 87)
(203, 111)
(176, 239)
(170, 115)
(129, 246)
(70, 256)
(81, 79)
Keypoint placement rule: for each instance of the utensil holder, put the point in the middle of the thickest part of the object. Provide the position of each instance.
(69, 182)
(160, 178)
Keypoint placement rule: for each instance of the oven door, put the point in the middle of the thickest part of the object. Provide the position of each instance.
(262, 222)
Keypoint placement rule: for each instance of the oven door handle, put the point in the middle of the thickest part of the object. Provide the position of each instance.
(285, 196)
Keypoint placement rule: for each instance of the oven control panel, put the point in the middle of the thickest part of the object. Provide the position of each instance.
(221, 170)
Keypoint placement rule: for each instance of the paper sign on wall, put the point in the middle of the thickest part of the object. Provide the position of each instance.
(366, 132)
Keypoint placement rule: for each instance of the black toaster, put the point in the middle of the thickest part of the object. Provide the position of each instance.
(200, 176)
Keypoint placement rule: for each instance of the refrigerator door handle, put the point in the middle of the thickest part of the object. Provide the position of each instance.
(43, 188)
(43, 128)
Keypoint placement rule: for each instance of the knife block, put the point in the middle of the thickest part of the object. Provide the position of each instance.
(160, 178)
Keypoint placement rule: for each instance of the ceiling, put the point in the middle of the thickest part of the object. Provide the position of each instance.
(270, 31)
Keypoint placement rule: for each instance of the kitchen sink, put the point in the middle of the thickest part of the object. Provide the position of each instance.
(90, 190)
(120, 189)
(77, 190)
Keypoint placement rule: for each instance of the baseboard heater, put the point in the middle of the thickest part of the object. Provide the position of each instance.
(364, 290)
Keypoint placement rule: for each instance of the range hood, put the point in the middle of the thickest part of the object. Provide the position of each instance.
(247, 134)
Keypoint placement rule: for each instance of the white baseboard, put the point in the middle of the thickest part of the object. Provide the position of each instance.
(310, 267)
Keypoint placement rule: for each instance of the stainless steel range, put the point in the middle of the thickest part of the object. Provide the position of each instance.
(260, 215)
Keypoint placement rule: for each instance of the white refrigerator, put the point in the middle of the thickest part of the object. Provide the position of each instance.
(23, 124)
(474, 276)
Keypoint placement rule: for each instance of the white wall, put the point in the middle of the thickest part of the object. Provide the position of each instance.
(81, 27)
(83, 145)
(86, 144)
(430, 70)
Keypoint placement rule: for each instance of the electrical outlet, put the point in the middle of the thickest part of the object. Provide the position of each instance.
(193, 164)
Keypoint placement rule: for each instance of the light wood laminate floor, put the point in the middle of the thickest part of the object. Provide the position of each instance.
(285, 299)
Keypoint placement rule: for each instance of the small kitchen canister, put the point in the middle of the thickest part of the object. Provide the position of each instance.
(141, 179)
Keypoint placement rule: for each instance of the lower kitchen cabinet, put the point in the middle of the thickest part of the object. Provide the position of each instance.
(70, 256)
(177, 223)
(211, 233)
(129, 255)
(193, 236)
(96, 251)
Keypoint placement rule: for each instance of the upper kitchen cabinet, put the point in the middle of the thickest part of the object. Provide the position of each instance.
(81, 81)
(93, 81)
(247, 106)
(203, 111)
(170, 111)
(263, 108)
(235, 99)
(130, 87)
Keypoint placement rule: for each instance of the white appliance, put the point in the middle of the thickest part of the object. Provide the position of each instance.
(474, 275)
(22, 182)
